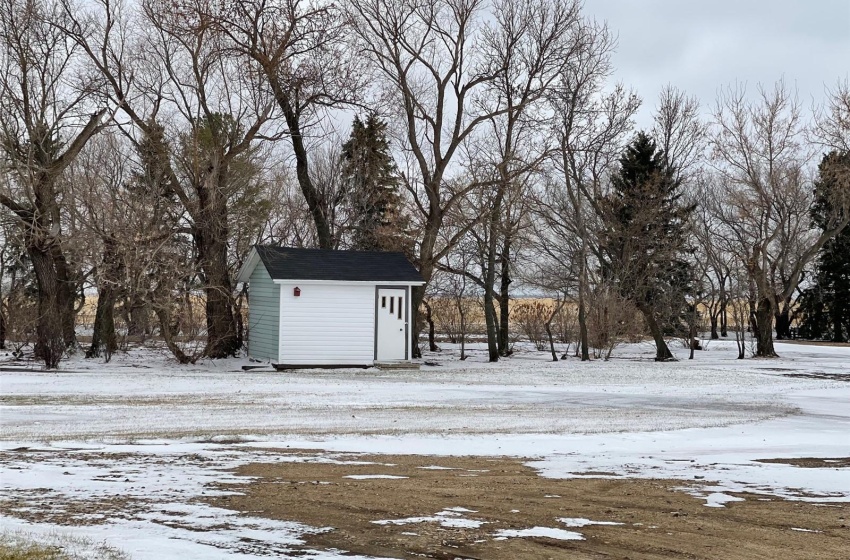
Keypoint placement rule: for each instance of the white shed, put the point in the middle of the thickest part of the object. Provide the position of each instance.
(324, 308)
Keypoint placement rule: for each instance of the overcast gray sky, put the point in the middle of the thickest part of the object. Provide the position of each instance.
(699, 45)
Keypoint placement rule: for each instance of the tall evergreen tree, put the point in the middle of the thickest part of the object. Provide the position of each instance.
(644, 238)
(825, 306)
(372, 189)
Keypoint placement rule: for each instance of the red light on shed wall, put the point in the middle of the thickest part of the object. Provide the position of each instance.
(296, 292)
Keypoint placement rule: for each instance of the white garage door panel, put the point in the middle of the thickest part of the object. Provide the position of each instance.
(327, 325)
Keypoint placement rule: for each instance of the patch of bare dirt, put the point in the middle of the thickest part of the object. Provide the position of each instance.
(820, 375)
(42, 505)
(812, 462)
(655, 520)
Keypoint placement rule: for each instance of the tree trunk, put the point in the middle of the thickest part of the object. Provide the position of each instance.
(489, 301)
(551, 318)
(582, 310)
(426, 269)
(504, 327)
(65, 296)
(713, 317)
(103, 337)
(662, 352)
(2, 323)
(222, 335)
(314, 201)
(462, 331)
(740, 334)
(504, 301)
(582, 328)
(551, 340)
(211, 235)
(490, 277)
(164, 317)
(492, 327)
(417, 296)
(783, 324)
(764, 329)
(137, 314)
(109, 277)
(429, 318)
(238, 305)
(50, 344)
(692, 334)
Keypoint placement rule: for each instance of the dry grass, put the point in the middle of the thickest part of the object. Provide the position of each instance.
(55, 546)
(29, 551)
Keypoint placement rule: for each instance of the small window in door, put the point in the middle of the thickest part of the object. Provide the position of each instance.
(399, 307)
(383, 302)
(392, 301)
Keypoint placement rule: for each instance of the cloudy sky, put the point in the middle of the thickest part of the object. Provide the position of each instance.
(700, 45)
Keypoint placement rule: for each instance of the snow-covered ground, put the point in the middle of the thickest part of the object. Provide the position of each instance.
(158, 434)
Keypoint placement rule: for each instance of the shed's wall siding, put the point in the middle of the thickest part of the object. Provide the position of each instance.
(263, 318)
(328, 324)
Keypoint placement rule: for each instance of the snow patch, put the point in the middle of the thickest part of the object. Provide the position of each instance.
(450, 518)
(443, 521)
(371, 476)
(549, 532)
(719, 499)
(583, 522)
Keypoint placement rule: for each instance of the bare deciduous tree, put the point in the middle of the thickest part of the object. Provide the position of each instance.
(590, 127)
(96, 182)
(767, 197)
(680, 131)
(714, 261)
(299, 47)
(437, 64)
(533, 42)
(47, 115)
(832, 122)
(201, 111)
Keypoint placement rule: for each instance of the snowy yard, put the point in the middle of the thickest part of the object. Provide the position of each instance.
(144, 454)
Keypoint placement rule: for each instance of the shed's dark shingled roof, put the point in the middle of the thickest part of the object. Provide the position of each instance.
(284, 263)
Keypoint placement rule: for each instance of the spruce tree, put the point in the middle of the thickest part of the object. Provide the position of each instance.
(372, 189)
(644, 238)
(825, 306)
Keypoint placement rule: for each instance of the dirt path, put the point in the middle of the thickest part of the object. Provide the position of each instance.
(458, 508)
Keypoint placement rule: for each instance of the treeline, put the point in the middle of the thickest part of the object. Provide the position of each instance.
(147, 145)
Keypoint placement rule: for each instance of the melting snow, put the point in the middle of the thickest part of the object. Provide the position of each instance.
(448, 522)
(128, 427)
(371, 476)
(582, 522)
(549, 532)
(718, 499)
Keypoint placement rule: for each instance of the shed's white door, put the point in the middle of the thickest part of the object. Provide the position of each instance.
(391, 320)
